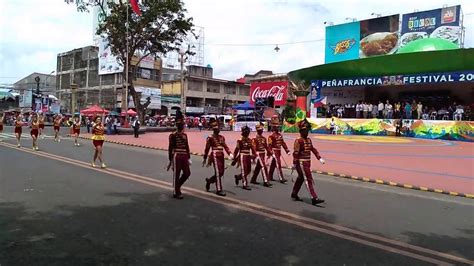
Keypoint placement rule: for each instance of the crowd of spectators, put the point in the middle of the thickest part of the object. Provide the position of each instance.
(398, 110)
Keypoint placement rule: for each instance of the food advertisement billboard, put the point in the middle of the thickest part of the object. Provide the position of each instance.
(362, 39)
(441, 23)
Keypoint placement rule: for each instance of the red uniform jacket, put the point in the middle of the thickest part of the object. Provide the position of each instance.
(178, 143)
(260, 145)
(276, 141)
(244, 146)
(217, 143)
(302, 150)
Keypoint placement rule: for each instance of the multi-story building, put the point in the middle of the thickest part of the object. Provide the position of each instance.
(80, 67)
(205, 94)
(46, 84)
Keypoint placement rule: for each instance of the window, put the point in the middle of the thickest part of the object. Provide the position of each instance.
(228, 89)
(244, 91)
(194, 85)
(213, 87)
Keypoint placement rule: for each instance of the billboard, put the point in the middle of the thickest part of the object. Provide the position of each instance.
(362, 39)
(441, 23)
(108, 63)
(26, 99)
(277, 89)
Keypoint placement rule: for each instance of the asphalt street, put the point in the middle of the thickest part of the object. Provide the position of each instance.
(56, 210)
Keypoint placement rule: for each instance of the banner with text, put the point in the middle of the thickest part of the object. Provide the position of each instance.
(447, 77)
(263, 90)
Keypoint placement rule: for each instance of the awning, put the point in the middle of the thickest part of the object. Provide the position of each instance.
(397, 64)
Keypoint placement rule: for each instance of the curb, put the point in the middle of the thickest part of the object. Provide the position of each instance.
(362, 179)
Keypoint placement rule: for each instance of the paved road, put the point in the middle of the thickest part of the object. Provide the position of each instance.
(56, 210)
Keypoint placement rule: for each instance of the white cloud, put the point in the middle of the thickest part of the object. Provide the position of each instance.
(33, 32)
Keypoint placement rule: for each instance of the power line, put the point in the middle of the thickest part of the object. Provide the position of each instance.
(264, 44)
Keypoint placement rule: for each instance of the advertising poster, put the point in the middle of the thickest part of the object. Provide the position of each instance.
(26, 99)
(108, 63)
(442, 23)
(342, 42)
(379, 36)
(148, 62)
(263, 90)
(362, 39)
(153, 93)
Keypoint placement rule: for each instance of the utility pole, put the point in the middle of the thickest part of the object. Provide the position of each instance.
(33, 98)
(183, 98)
(73, 98)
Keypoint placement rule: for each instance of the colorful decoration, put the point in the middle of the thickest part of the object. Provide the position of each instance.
(428, 129)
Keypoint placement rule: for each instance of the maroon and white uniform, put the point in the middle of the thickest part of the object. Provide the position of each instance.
(178, 153)
(276, 143)
(303, 148)
(261, 147)
(217, 145)
(244, 153)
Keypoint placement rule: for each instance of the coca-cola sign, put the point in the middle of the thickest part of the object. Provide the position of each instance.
(279, 90)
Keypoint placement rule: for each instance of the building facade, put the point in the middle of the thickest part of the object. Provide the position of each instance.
(46, 84)
(205, 94)
(80, 67)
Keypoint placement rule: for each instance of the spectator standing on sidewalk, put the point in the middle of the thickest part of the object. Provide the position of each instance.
(408, 110)
(136, 126)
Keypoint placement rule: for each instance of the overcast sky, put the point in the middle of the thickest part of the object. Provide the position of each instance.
(33, 32)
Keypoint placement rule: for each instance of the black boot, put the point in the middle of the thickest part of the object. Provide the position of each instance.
(236, 180)
(295, 197)
(208, 184)
(283, 181)
(267, 184)
(254, 182)
(246, 188)
(316, 201)
(177, 196)
(220, 193)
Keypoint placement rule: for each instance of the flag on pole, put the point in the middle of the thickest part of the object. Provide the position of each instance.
(320, 101)
(135, 7)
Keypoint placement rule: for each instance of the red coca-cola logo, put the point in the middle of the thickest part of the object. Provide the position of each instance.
(278, 90)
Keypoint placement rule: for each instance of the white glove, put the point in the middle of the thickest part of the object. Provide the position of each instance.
(231, 156)
(190, 162)
(322, 161)
(289, 153)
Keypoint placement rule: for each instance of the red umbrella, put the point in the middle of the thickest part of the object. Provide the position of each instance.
(130, 112)
(94, 110)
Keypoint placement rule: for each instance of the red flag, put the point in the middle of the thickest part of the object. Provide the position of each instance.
(135, 7)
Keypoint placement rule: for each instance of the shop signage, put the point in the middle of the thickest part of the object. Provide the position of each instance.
(278, 90)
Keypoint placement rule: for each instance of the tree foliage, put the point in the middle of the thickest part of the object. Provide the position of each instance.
(162, 27)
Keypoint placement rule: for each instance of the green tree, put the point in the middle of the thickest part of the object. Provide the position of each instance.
(162, 27)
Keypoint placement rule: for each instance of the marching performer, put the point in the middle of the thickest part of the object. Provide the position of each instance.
(34, 131)
(98, 138)
(244, 154)
(179, 156)
(302, 162)
(56, 127)
(216, 143)
(260, 145)
(18, 128)
(2, 118)
(41, 125)
(76, 129)
(276, 142)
